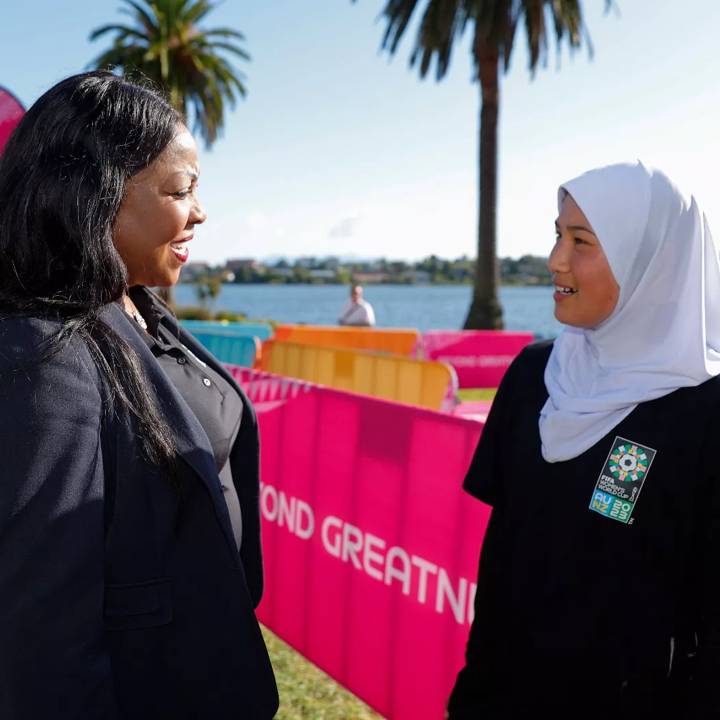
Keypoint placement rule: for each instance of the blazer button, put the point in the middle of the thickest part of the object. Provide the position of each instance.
(181, 361)
(206, 382)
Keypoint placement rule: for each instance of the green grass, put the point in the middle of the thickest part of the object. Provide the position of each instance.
(477, 394)
(306, 692)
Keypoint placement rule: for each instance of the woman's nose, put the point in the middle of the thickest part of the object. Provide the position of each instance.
(198, 216)
(559, 260)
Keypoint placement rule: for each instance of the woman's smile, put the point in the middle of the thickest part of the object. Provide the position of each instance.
(181, 250)
(563, 292)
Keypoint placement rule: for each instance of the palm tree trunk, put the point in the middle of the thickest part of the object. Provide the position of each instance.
(485, 310)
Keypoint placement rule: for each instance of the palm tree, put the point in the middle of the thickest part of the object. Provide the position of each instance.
(165, 44)
(494, 23)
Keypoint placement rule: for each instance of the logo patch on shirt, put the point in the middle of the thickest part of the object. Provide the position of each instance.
(618, 487)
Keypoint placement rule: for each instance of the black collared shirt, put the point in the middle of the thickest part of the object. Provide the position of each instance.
(215, 403)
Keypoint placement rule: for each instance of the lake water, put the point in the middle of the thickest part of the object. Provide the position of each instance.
(428, 307)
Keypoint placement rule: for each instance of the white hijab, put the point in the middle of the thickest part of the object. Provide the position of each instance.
(664, 332)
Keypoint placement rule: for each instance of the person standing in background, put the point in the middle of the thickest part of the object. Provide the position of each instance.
(358, 312)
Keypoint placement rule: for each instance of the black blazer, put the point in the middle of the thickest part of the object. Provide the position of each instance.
(121, 594)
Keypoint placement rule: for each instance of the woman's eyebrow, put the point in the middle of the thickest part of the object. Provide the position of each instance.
(192, 174)
(574, 227)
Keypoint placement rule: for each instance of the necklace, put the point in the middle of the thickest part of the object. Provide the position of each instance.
(134, 313)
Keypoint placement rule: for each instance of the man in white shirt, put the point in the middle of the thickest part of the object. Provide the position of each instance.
(357, 312)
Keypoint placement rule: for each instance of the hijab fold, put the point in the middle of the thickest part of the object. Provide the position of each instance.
(663, 334)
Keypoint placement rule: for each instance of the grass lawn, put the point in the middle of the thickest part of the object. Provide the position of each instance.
(477, 394)
(306, 692)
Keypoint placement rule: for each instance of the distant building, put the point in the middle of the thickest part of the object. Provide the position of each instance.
(241, 264)
(420, 276)
(306, 262)
(368, 278)
(281, 271)
(322, 274)
(193, 270)
(459, 273)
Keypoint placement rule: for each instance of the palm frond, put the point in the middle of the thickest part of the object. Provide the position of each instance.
(224, 32)
(197, 12)
(200, 42)
(565, 18)
(535, 30)
(495, 28)
(438, 28)
(121, 30)
(145, 18)
(398, 14)
(166, 46)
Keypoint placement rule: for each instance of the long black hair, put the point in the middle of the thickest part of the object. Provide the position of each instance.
(63, 175)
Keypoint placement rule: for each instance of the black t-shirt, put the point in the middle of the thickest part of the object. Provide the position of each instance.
(599, 585)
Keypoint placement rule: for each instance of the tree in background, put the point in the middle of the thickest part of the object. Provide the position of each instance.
(165, 44)
(493, 24)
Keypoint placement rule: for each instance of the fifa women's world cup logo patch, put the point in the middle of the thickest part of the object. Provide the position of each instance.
(628, 461)
(618, 487)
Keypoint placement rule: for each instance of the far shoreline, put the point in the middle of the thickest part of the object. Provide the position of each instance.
(369, 285)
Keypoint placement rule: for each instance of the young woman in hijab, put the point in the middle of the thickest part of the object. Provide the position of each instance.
(599, 584)
(129, 527)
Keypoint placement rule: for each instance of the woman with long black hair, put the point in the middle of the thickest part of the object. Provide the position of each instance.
(130, 559)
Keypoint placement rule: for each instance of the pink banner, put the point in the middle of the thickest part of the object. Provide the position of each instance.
(10, 113)
(480, 357)
(371, 547)
(474, 409)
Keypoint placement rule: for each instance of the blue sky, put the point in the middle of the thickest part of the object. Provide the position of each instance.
(340, 150)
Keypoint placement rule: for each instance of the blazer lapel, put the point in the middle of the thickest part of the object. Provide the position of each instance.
(191, 441)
